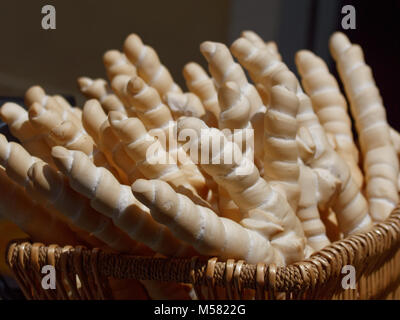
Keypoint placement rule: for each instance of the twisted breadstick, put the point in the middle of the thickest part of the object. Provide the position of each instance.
(18, 207)
(188, 104)
(185, 104)
(17, 120)
(307, 211)
(156, 115)
(223, 68)
(17, 162)
(259, 43)
(330, 106)
(68, 134)
(143, 100)
(93, 116)
(380, 162)
(226, 206)
(147, 152)
(65, 133)
(233, 106)
(96, 123)
(115, 201)
(202, 85)
(66, 106)
(317, 185)
(116, 63)
(119, 154)
(256, 61)
(98, 89)
(201, 227)
(148, 65)
(53, 187)
(50, 184)
(36, 94)
(350, 206)
(270, 46)
(328, 183)
(44, 119)
(263, 208)
(217, 164)
(281, 157)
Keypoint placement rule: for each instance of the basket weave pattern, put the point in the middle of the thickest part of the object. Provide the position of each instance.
(375, 256)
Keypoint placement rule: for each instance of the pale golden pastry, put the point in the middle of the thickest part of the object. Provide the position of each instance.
(157, 117)
(198, 82)
(116, 63)
(381, 165)
(350, 206)
(209, 234)
(330, 106)
(96, 122)
(18, 206)
(263, 208)
(18, 122)
(99, 89)
(223, 69)
(115, 201)
(148, 65)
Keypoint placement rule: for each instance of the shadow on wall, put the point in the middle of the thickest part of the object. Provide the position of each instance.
(86, 29)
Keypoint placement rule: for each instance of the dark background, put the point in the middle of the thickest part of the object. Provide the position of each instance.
(86, 29)
(378, 32)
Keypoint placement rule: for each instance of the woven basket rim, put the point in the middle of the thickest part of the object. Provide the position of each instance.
(365, 251)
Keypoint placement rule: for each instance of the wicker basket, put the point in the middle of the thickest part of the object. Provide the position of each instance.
(375, 256)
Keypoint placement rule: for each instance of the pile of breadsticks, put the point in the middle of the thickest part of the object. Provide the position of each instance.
(144, 168)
